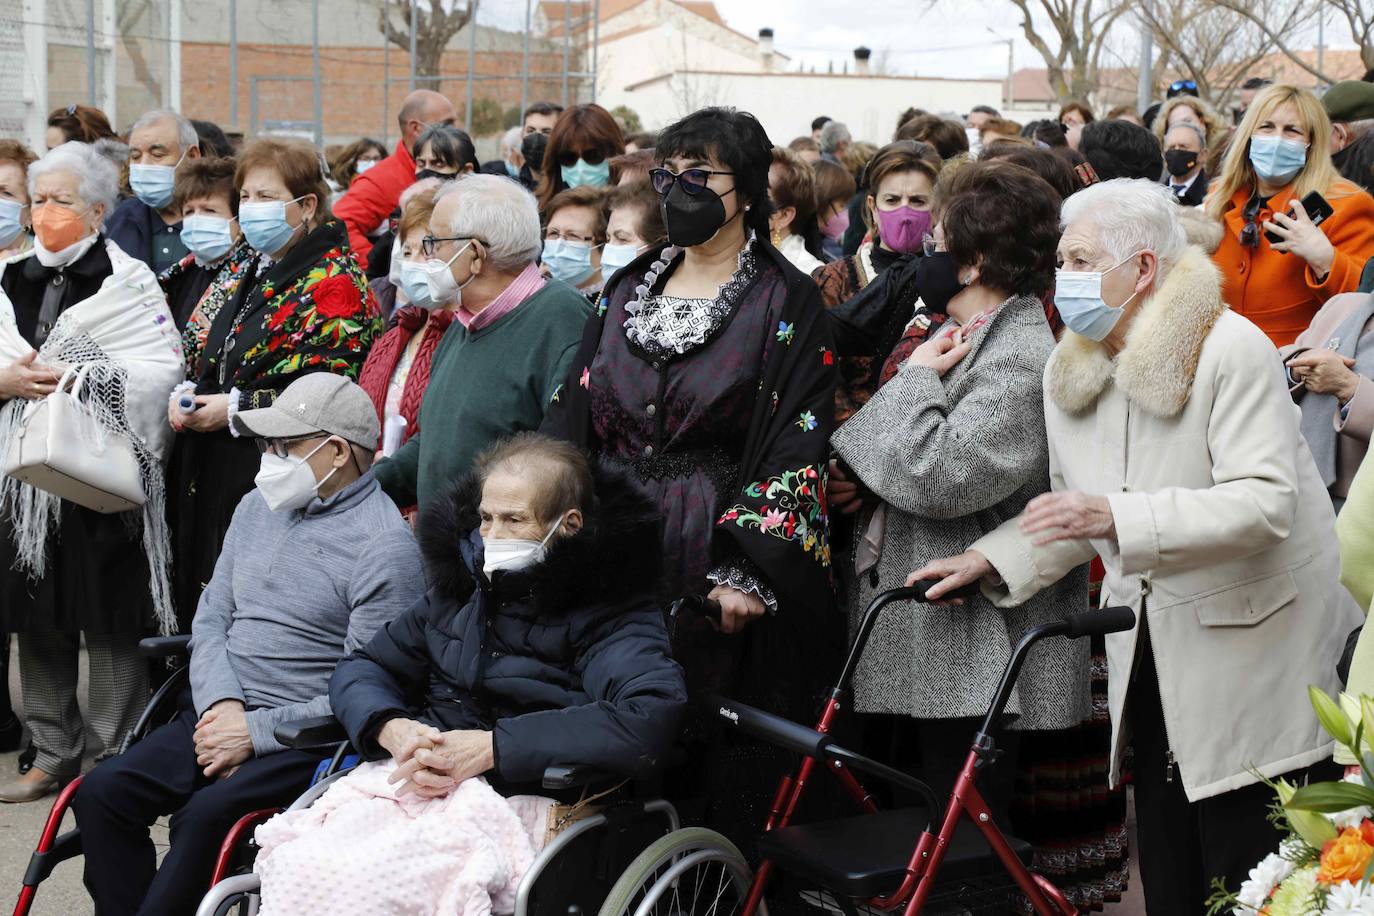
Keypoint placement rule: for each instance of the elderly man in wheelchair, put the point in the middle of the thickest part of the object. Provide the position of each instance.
(538, 644)
(309, 570)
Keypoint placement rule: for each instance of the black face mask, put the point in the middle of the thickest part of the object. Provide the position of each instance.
(937, 280)
(532, 148)
(430, 173)
(1179, 162)
(693, 218)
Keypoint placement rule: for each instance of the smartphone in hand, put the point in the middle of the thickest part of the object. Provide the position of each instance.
(1317, 211)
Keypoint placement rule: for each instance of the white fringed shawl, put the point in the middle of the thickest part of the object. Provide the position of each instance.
(126, 335)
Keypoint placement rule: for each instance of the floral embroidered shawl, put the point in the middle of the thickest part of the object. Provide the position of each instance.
(312, 311)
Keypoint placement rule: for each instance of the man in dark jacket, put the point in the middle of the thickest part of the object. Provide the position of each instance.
(147, 226)
(539, 643)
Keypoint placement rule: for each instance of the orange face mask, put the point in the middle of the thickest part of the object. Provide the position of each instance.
(58, 226)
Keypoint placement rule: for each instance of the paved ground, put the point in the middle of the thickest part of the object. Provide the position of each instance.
(63, 895)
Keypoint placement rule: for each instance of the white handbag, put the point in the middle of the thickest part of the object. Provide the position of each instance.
(61, 448)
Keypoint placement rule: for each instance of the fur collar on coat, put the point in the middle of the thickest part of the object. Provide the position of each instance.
(612, 560)
(1155, 369)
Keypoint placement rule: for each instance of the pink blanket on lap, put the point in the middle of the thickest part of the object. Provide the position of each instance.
(359, 849)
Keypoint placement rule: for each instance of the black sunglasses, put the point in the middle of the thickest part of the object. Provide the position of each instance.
(693, 181)
(568, 158)
(1181, 86)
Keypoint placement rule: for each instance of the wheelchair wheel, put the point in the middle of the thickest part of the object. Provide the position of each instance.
(690, 872)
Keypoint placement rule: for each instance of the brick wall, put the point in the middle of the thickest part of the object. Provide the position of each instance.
(352, 85)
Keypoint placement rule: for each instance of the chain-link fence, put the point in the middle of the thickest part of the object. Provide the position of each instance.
(318, 69)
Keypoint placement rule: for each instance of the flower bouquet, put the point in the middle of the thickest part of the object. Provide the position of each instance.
(1325, 865)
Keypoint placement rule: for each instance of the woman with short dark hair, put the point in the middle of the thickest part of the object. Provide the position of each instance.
(708, 371)
(952, 446)
(443, 152)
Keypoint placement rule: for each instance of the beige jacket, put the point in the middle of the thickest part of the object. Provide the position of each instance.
(1226, 536)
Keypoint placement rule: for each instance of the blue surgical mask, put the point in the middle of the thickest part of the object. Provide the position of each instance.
(570, 262)
(512, 171)
(580, 173)
(10, 226)
(1277, 160)
(362, 165)
(264, 224)
(415, 284)
(614, 257)
(152, 184)
(209, 238)
(1078, 297)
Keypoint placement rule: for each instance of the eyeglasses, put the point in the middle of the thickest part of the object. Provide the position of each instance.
(430, 243)
(1249, 233)
(569, 158)
(930, 245)
(567, 235)
(282, 447)
(693, 181)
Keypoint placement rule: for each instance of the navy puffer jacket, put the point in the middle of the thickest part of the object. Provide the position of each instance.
(567, 663)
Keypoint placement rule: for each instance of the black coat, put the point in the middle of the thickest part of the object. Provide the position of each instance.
(567, 663)
(1196, 193)
(97, 572)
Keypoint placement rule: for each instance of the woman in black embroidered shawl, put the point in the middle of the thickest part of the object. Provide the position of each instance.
(708, 370)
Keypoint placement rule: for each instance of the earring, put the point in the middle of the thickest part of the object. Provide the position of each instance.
(777, 238)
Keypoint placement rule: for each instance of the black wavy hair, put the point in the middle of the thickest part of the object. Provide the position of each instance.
(1120, 149)
(737, 141)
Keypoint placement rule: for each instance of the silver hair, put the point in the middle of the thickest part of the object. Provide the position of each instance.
(511, 140)
(97, 176)
(1189, 125)
(500, 213)
(1127, 216)
(186, 131)
(833, 134)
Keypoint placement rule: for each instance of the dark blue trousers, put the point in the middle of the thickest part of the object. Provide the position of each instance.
(121, 798)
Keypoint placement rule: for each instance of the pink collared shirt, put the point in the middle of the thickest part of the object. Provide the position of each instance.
(529, 282)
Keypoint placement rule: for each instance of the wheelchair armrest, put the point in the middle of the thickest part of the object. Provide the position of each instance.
(165, 646)
(307, 733)
(776, 730)
(575, 776)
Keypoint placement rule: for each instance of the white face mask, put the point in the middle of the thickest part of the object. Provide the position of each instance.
(514, 553)
(67, 256)
(443, 289)
(289, 483)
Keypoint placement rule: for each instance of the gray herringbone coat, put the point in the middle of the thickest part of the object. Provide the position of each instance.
(952, 459)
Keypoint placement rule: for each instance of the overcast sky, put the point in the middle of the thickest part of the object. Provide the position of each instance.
(960, 38)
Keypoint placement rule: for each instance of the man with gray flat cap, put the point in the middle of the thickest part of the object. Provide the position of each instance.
(316, 560)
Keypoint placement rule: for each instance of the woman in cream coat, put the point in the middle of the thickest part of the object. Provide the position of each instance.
(1176, 457)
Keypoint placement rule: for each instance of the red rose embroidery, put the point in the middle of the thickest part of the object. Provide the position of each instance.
(336, 297)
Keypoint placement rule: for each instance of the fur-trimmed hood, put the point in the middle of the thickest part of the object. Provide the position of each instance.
(613, 559)
(1156, 368)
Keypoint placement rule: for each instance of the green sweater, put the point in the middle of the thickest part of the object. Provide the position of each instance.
(484, 386)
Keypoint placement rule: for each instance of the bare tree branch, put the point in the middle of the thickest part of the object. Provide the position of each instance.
(435, 26)
(1246, 8)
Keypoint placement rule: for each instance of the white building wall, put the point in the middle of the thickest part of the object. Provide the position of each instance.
(785, 103)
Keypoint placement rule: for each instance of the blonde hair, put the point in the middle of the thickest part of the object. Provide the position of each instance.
(1317, 174)
(1210, 122)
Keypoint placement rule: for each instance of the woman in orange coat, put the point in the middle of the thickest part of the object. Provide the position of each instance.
(1279, 155)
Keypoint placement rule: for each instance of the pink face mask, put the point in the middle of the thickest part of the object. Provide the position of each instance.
(904, 228)
(836, 226)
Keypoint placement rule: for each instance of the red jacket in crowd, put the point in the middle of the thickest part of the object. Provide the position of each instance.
(372, 196)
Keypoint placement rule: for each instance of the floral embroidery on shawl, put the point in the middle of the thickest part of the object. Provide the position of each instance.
(790, 506)
(327, 305)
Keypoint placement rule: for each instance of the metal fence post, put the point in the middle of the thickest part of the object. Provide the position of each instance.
(315, 49)
(91, 96)
(234, 63)
(525, 67)
(472, 59)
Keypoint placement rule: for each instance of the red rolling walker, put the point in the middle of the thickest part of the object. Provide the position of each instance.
(887, 861)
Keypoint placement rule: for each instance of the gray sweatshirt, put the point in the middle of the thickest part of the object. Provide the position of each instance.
(293, 592)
